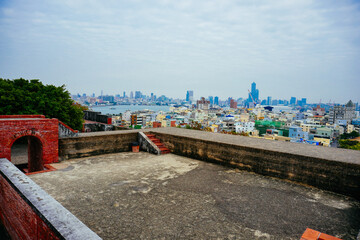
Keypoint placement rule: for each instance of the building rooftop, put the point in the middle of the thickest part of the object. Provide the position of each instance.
(144, 196)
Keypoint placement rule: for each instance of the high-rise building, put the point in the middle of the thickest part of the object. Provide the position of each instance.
(346, 112)
(137, 94)
(216, 100)
(131, 95)
(233, 103)
(268, 100)
(124, 95)
(202, 104)
(292, 100)
(254, 94)
(190, 96)
(211, 99)
(303, 100)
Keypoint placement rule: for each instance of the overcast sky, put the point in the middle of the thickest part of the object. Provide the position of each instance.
(289, 48)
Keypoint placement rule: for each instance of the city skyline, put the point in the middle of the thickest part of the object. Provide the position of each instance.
(307, 49)
(253, 96)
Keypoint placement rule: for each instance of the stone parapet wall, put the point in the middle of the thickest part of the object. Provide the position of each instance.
(89, 144)
(336, 170)
(28, 212)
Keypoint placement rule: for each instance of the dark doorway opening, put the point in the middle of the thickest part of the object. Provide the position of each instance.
(26, 154)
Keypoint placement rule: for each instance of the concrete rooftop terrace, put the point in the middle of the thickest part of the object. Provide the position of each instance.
(144, 196)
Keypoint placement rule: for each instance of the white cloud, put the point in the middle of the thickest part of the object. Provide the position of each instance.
(222, 46)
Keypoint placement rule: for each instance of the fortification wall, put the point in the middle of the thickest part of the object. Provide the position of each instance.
(90, 144)
(28, 212)
(336, 170)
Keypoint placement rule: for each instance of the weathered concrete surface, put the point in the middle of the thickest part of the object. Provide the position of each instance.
(331, 169)
(144, 196)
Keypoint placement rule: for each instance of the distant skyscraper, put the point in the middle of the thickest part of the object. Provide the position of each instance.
(137, 94)
(131, 94)
(216, 100)
(254, 94)
(292, 100)
(190, 96)
(211, 99)
(233, 103)
(124, 95)
(269, 100)
(303, 101)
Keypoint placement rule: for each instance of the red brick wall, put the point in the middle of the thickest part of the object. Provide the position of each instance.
(46, 130)
(19, 218)
(22, 116)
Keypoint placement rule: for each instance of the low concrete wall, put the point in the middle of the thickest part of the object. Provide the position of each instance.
(336, 170)
(89, 144)
(28, 212)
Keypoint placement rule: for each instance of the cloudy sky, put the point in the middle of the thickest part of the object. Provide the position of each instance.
(305, 48)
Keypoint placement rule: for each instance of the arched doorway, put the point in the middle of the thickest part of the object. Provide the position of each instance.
(27, 154)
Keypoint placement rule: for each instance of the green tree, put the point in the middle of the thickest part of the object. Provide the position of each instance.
(349, 144)
(20, 96)
(351, 135)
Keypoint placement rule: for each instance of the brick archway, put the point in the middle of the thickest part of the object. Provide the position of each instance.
(13, 127)
(34, 152)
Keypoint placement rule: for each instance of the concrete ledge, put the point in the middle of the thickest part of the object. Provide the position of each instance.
(336, 170)
(42, 216)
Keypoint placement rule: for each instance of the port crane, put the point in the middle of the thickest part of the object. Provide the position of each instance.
(252, 98)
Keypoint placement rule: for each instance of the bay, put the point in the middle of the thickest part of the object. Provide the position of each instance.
(117, 109)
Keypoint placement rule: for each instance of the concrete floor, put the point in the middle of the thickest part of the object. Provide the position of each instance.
(144, 196)
(19, 153)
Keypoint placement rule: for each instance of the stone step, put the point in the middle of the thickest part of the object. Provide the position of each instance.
(150, 135)
(165, 151)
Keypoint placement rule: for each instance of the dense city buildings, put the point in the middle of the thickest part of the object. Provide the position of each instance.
(293, 120)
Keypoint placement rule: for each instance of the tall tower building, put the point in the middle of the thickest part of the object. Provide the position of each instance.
(190, 96)
(211, 99)
(269, 100)
(292, 100)
(216, 100)
(254, 94)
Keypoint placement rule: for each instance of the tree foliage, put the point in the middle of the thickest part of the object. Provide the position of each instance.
(20, 96)
(351, 135)
(349, 144)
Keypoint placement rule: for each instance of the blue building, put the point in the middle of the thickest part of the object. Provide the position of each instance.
(190, 96)
(292, 100)
(216, 100)
(211, 99)
(356, 122)
(254, 94)
(296, 132)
